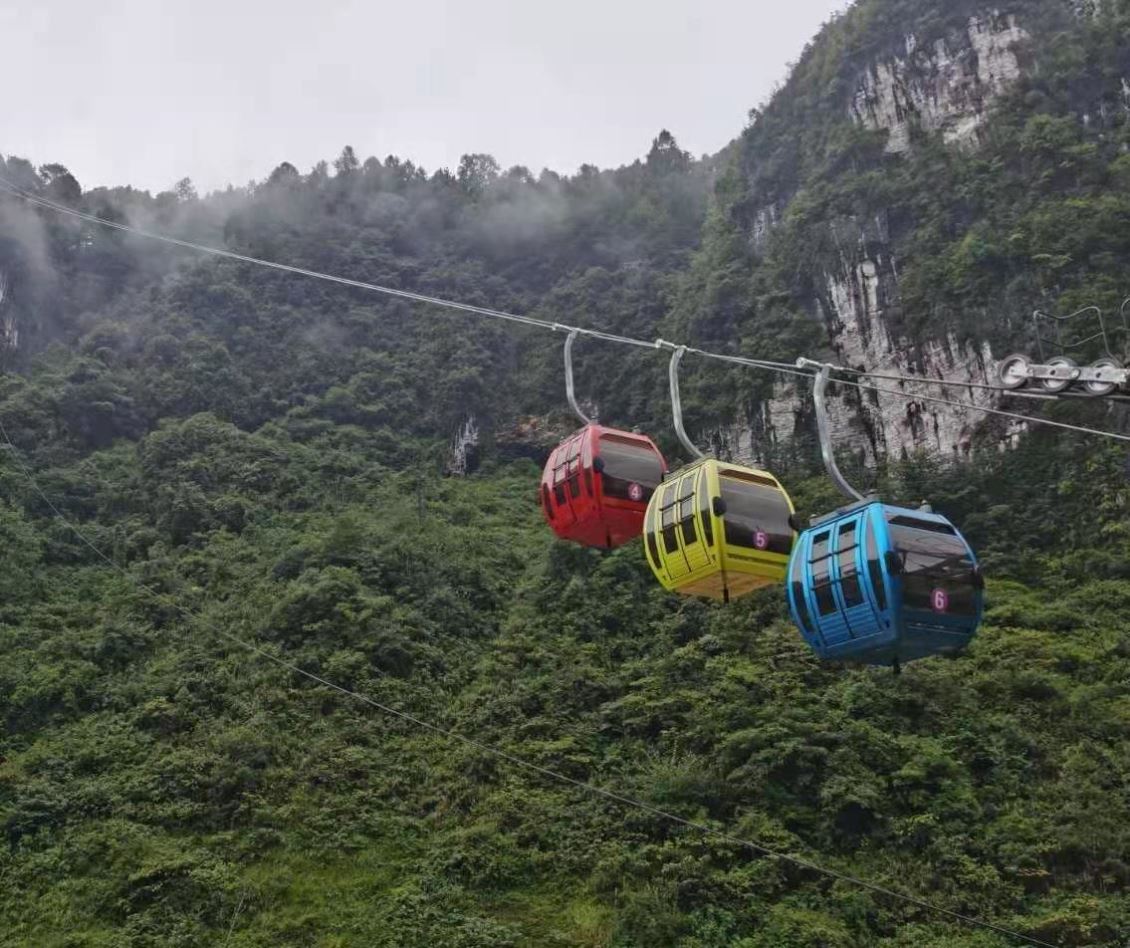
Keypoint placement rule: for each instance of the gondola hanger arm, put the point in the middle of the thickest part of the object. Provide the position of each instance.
(676, 399)
(824, 426)
(570, 388)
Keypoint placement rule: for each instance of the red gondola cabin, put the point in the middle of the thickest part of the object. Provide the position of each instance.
(597, 483)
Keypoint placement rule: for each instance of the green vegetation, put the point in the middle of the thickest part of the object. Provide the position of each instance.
(263, 457)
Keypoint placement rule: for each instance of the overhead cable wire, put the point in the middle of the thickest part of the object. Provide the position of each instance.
(1066, 426)
(795, 371)
(984, 386)
(778, 367)
(923, 380)
(590, 788)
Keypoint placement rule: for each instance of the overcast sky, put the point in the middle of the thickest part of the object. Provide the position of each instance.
(145, 92)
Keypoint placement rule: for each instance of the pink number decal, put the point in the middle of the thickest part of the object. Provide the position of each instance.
(940, 600)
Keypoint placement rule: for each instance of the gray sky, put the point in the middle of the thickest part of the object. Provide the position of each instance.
(145, 92)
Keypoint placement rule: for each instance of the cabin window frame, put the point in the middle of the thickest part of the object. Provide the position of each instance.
(963, 596)
(820, 569)
(846, 528)
(772, 516)
(798, 588)
(876, 573)
(611, 483)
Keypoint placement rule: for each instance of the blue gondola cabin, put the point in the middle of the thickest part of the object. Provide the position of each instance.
(883, 585)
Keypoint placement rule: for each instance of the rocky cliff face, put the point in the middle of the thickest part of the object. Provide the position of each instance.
(464, 449)
(880, 424)
(945, 84)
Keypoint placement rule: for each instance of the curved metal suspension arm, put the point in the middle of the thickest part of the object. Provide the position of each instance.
(819, 385)
(677, 402)
(570, 390)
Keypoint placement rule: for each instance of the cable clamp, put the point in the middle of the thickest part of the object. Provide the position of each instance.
(803, 363)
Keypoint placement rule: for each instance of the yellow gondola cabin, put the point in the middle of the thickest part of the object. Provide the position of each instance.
(719, 530)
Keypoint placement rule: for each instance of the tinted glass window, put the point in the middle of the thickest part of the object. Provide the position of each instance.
(822, 587)
(559, 494)
(875, 569)
(930, 526)
(668, 516)
(850, 587)
(704, 510)
(627, 462)
(566, 462)
(757, 515)
(653, 546)
(821, 574)
(937, 570)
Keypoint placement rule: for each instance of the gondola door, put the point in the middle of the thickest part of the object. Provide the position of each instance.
(824, 602)
(852, 594)
(681, 537)
(697, 541)
(567, 481)
(679, 533)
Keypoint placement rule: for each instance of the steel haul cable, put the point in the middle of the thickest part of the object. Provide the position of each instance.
(589, 788)
(764, 365)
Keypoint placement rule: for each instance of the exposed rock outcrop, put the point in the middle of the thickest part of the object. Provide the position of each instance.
(879, 424)
(464, 448)
(862, 338)
(946, 86)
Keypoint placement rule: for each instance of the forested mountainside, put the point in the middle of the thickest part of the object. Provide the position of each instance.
(269, 458)
(930, 174)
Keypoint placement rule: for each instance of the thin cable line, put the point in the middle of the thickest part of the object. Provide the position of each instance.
(779, 367)
(924, 398)
(956, 383)
(235, 917)
(590, 788)
(921, 379)
(1080, 429)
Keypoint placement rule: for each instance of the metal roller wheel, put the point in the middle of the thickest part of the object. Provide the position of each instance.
(1013, 371)
(1099, 389)
(1066, 370)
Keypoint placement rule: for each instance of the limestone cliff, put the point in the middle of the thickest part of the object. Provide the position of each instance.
(944, 84)
(934, 86)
